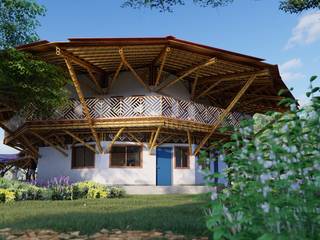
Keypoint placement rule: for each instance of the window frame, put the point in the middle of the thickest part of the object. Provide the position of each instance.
(175, 160)
(73, 155)
(127, 145)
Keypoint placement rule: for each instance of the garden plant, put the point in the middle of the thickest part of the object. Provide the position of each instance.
(274, 176)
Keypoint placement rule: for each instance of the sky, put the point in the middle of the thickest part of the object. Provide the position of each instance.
(251, 27)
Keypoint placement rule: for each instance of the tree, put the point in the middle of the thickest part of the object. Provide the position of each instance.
(18, 21)
(26, 81)
(291, 6)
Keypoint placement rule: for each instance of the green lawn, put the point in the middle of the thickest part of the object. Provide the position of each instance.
(182, 214)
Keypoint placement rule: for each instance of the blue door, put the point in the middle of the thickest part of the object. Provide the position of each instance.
(164, 166)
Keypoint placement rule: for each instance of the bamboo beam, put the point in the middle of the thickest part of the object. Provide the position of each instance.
(49, 143)
(94, 80)
(207, 91)
(167, 50)
(194, 86)
(125, 62)
(155, 138)
(81, 141)
(225, 88)
(151, 138)
(163, 140)
(134, 137)
(83, 103)
(114, 139)
(189, 142)
(29, 145)
(115, 76)
(188, 72)
(233, 76)
(225, 113)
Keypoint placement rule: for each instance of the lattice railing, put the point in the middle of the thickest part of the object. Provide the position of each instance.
(142, 106)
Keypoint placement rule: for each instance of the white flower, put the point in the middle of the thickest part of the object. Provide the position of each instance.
(268, 164)
(265, 177)
(265, 191)
(265, 207)
(214, 194)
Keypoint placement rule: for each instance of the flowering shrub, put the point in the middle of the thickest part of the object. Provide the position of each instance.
(274, 177)
(58, 188)
(90, 190)
(6, 196)
(61, 188)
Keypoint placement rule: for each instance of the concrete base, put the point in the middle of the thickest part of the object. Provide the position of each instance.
(146, 190)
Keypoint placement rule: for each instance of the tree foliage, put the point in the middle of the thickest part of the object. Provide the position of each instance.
(26, 81)
(18, 22)
(291, 6)
(274, 177)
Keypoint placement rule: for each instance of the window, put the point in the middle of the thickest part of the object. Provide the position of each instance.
(181, 155)
(82, 157)
(125, 156)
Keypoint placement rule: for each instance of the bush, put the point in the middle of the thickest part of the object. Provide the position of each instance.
(59, 188)
(116, 192)
(274, 177)
(6, 195)
(25, 191)
(89, 189)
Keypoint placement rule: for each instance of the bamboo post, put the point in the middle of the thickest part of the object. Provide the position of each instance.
(86, 111)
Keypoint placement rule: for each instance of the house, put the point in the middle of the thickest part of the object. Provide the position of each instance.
(141, 109)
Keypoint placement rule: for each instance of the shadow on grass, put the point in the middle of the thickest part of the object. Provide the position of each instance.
(187, 219)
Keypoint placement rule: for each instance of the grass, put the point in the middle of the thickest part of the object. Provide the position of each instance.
(181, 214)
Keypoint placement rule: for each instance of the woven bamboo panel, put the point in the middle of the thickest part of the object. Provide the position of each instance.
(144, 107)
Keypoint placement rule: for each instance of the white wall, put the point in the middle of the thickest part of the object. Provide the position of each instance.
(53, 164)
(127, 85)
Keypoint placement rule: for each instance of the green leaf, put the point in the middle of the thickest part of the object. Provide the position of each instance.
(313, 78)
(266, 236)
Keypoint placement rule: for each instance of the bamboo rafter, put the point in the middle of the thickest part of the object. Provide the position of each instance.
(83, 103)
(187, 73)
(225, 113)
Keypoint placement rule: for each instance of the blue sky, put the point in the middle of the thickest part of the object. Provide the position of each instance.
(251, 27)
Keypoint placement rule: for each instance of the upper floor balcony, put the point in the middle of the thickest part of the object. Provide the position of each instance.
(135, 107)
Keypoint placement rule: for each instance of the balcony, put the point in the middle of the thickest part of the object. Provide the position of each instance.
(141, 107)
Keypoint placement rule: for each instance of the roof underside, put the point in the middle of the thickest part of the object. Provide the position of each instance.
(233, 68)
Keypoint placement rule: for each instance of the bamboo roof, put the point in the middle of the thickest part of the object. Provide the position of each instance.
(226, 76)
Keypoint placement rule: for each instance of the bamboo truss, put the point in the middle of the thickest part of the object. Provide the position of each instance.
(210, 75)
(225, 113)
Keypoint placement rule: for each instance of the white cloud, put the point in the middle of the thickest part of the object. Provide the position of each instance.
(291, 76)
(293, 63)
(306, 31)
(288, 70)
